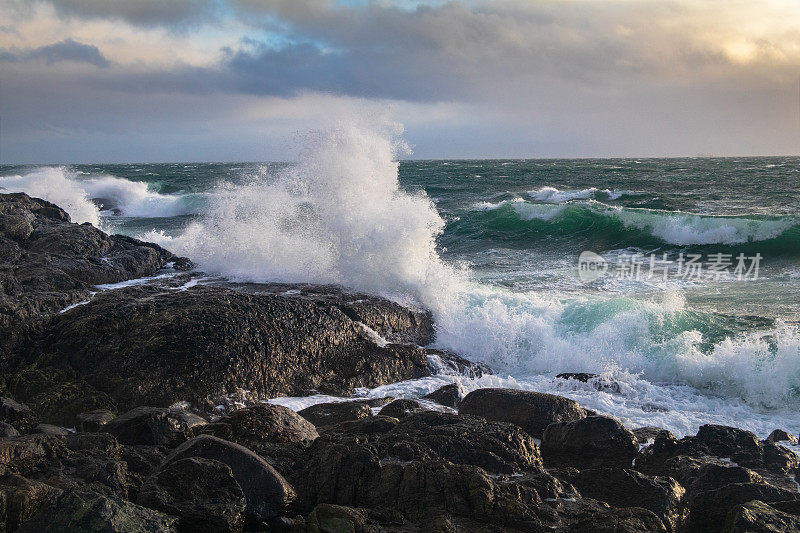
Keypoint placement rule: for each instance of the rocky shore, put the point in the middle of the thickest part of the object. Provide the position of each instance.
(141, 407)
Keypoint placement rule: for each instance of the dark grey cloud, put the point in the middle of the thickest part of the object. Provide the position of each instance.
(140, 12)
(66, 50)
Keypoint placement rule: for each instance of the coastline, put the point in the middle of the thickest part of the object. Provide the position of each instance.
(128, 402)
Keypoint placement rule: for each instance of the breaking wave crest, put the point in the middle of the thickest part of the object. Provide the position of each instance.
(340, 216)
(624, 226)
(90, 198)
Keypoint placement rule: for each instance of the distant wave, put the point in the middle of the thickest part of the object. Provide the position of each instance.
(556, 196)
(88, 198)
(518, 219)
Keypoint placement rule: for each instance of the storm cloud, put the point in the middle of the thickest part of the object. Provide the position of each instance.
(553, 77)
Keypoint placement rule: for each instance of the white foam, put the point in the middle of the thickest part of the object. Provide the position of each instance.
(555, 196)
(74, 191)
(56, 185)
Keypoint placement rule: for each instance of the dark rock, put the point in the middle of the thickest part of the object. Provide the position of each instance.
(401, 408)
(74, 511)
(758, 517)
(154, 425)
(628, 488)
(275, 432)
(625, 520)
(372, 425)
(142, 461)
(21, 499)
(93, 420)
(201, 492)
(532, 411)
(683, 459)
(708, 510)
(84, 462)
(7, 430)
(449, 395)
(160, 346)
(589, 442)
(326, 414)
(429, 435)
(262, 423)
(19, 415)
(579, 376)
(49, 429)
(50, 263)
(327, 517)
(266, 491)
(443, 362)
(780, 435)
(378, 402)
(649, 433)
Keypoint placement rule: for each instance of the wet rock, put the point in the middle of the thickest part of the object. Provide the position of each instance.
(625, 520)
(51, 263)
(7, 430)
(401, 408)
(326, 414)
(708, 510)
(154, 425)
(262, 423)
(142, 461)
(449, 395)
(628, 488)
(201, 492)
(75, 511)
(327, 517)
(532, 411)
(683, 459)
(93, 420)
(494, 446)
(21, 499)
(756, 516)
(161, 346)
(266, 491)
(780, 435)
(49, 429)
(647, 434)
(595, 441)
(17, 414)
(579, 376)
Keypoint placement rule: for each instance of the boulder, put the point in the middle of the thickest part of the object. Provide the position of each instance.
(326, 414)
(532, 411)
(401, 408)
(93, 420)
(595, 441)
(202, 493)
(627, 488)
(756, 516)
(160, 345)
(75, 511)
(266, 491)
(49, 429)
(780, 435)
(449, 395)
(17, 414)
(7, 430)
(648, 434)
(263, 423)
(709, 510)
(83, 462)
(21, 499)
(50, 263)
(154, 425)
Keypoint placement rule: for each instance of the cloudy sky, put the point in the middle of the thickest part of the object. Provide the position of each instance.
(225, 80)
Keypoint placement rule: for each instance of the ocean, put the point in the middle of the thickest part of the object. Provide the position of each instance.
(686, 302)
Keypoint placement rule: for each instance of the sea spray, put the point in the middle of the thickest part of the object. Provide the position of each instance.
(340, 216)
(56, 185)
(92, 198)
